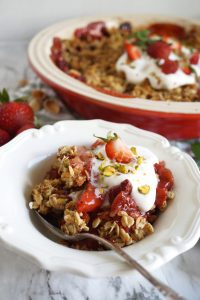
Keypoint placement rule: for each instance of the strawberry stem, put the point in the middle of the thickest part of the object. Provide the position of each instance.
(110, 137)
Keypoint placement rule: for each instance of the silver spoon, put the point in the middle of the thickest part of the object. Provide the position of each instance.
(164, 289)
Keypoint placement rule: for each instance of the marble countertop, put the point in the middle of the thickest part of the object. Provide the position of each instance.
(21, 279)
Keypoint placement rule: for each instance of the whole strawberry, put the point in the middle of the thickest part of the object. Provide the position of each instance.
(4, 137)
(14, 115)
(25, 127)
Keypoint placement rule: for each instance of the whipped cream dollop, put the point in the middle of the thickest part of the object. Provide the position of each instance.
(146, 67)
(141, 173)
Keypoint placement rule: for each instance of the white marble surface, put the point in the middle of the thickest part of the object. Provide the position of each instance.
(21, 280)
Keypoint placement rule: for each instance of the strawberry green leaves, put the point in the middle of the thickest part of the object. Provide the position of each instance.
(4, 96)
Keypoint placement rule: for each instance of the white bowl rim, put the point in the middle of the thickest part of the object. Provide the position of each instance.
(39, 49)
(108, 264)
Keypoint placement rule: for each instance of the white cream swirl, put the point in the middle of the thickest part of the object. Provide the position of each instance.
(144, 175)
(147, 68)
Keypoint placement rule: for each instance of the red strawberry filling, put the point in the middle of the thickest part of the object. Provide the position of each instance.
(195, 58)
(89, 201)
(159, 50)
(94, 30)
(169, 66)
(168, 29)
(187, 70)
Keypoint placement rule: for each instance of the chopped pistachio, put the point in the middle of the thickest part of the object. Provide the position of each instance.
(101, 190)
(132, 171)
(122, 169)
(101, 179)
(100, 156)
(134, 150)
(109, 171)
(140, 160)
(136, 167)
(144, 189)
(102, 166)
(116, 166)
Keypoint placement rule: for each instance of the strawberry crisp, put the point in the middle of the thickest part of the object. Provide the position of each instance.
(111, 189)
(160, 61)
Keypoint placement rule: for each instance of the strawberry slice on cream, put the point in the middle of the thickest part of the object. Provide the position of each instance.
(160, 58)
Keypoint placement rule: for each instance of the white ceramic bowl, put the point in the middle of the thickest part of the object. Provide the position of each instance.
(25, 160)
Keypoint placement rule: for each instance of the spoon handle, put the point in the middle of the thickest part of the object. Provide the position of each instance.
(163, 288)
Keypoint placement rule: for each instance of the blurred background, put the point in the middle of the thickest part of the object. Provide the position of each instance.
(21, 19)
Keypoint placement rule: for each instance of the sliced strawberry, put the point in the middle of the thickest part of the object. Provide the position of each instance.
(194, 59)
(159, 50)
(76, 162)
(132, 51)
(57, 45)
(174, 44)
(168, 29)
(161, 196)
(89, 201)
(125, 186)
(117, 150)
(186, 70)
(95, 29)
(85, 156)
(4, 137)
(158, 167)
(61, 63)
(98, 143)
(166, 178)
(169, 67)
(14, 115)
(81, 33)
(124, 202)
(25, 127)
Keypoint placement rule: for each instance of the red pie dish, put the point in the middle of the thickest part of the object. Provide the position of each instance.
(143, 70)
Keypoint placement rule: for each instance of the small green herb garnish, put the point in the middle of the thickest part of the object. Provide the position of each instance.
(142, 35)
(142, 38)
(193, 71)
